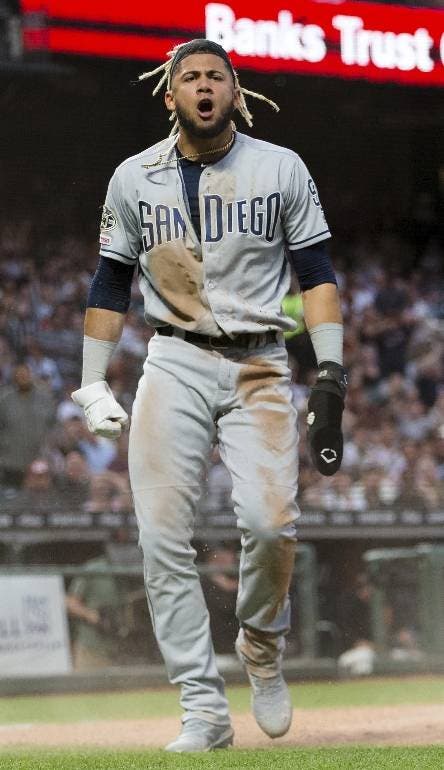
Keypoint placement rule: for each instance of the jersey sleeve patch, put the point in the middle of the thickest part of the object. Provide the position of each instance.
(109, 219)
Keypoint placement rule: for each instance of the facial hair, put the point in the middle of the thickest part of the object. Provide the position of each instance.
(205, 132)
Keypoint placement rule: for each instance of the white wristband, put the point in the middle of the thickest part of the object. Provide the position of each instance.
(327, 340)
(96, 357)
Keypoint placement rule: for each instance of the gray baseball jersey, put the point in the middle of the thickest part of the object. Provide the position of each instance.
(255, 203)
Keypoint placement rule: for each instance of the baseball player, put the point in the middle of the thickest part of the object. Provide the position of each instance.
(214, 219)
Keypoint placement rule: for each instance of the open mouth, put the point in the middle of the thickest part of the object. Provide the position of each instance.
(205, 108)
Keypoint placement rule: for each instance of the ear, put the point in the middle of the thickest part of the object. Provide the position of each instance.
(237, 96)
(169, 101)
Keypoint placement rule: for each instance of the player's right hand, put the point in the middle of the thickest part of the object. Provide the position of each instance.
(104, 416)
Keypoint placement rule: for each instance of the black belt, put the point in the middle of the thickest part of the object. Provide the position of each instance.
(244, 340)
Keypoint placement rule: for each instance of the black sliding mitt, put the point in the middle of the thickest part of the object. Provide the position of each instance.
(325, 407)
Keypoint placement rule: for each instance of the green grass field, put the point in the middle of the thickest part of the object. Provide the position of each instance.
(274, 759)
(164, 702)
(140, 704)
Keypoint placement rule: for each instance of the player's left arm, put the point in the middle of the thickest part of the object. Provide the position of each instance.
(323, 318)
(306, 232)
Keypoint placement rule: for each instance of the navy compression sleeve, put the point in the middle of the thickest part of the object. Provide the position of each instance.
(111, 286)
(312, 265)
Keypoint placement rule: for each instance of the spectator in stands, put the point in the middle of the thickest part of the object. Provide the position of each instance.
(388, 326)
(93, 603)
(27, 412)
(65, 437)
(374, 490)
(438, 452)
(134, 336)
(60, 338)
(98, 451)
(108, 492)
(339, 493)
(75, 481)
(426, 360)
(42, 367)
(354, 617)
(39, 493)
(355, 449)
(330, 494)
(358, 656)
(383, 450)
(394, 390)
(409, 496)
(428, 484)
(369, 366)
(360, 292)
(411, 451)
(120, 462)
(122, 375)
(7, 361)
(437, 411)
(20, 321)
(414, 422)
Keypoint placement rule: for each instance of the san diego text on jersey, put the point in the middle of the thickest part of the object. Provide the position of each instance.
(258, 216)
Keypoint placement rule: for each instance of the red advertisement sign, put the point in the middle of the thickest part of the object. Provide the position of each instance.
(343, 39)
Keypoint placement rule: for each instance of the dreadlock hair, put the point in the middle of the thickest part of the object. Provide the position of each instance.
(201, 45)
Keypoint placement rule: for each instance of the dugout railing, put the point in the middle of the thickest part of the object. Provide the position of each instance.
(303, 640)
(408, 596)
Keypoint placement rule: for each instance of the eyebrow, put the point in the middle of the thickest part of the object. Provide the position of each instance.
(198, 72)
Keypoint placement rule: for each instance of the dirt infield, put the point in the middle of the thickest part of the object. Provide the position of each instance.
(389, 725)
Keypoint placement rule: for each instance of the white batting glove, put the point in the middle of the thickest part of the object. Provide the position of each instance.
(104, 416)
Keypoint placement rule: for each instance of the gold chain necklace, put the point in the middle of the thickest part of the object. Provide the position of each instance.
(194, 156)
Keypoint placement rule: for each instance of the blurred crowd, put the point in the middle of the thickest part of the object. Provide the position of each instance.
(394, 417)
(393, 303)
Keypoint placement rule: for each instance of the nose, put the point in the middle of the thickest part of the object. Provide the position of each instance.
(204, 86)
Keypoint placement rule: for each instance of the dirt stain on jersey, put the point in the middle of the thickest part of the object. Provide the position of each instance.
(177, 275)
(280, 567)
(258, 388)
(275, 558)
(260, 651)
(279, 499)
(263, 391)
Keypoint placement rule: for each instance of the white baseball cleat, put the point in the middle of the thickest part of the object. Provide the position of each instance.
(198, 735)
(271, 704)
(270, 701)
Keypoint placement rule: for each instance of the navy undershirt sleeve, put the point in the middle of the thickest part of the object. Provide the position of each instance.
(111, 286)
(312, 266)
(191, 173)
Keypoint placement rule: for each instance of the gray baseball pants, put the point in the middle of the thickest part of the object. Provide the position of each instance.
(186, 397)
